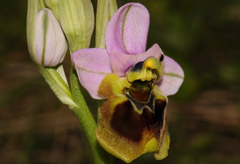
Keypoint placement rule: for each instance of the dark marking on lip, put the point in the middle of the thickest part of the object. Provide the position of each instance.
(126, 122)
(130, 124)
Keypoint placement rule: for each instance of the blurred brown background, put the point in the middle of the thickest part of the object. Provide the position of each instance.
(203, 118)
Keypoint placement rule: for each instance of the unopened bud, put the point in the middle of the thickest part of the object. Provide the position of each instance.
(49, 40)
(77, 21)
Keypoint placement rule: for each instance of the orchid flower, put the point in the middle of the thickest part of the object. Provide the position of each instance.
(135, 82)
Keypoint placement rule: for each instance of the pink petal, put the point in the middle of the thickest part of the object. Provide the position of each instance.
(121, 62)
(92, 66)
(173, 76)
(128, 29)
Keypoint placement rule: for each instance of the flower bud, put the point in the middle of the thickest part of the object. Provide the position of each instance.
(50, 43)
(77, 21)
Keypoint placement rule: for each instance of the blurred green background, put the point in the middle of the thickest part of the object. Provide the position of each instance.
(203, 118)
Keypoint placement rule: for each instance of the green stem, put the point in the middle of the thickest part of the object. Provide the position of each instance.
(87, 121)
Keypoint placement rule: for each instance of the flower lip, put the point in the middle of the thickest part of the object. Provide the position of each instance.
(129, 121)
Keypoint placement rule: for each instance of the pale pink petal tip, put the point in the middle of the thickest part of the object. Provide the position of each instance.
(173, 76)
(128, 29)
